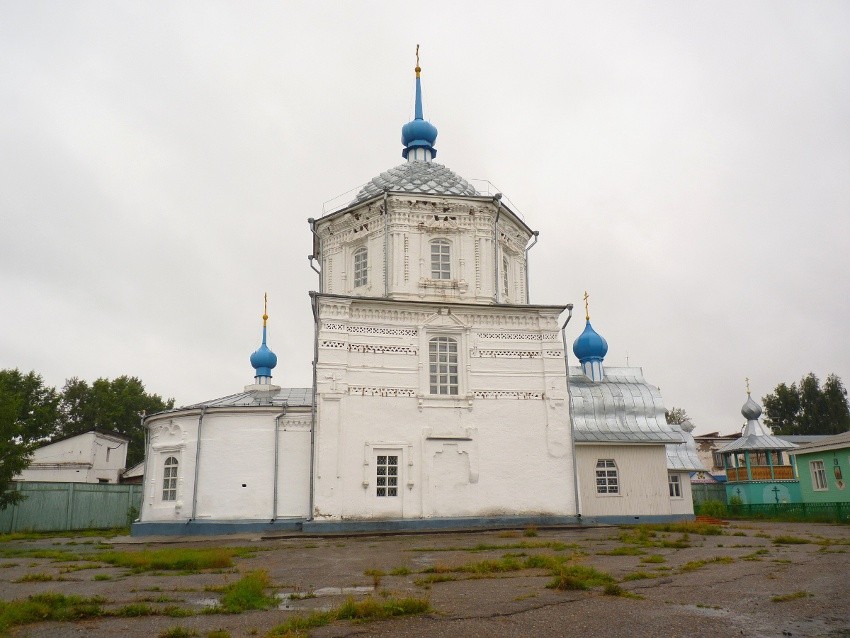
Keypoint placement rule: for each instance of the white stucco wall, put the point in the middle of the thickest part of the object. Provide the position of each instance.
(91, 457)
(237, 464)
(413, 222)
(642, 471)
(500, 447)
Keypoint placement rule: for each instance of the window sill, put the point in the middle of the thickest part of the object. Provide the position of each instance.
(445, 401)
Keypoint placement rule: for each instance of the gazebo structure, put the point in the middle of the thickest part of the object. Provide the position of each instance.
(758, 468)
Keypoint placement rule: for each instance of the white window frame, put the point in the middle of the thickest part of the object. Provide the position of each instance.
(607, 471)
(168, 493)
(674, 482)
(388, 475)
(361, 266)
(505, 274)
(441, 259)
(818, 471)
(440, 366)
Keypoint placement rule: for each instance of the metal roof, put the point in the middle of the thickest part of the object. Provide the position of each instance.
(756, 437)
(622, 408)
(292, 397)
(417, 177)
(838, 441)
(683, 456)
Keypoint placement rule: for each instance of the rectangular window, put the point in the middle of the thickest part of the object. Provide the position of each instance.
(441, 259)
(386, 479)
(717, 459)
(818, 475)
(169, 479)
(443, 368)
(675, 486)
(607, 481)
(361, 263)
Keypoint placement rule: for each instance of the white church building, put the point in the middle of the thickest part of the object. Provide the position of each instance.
(441, 397)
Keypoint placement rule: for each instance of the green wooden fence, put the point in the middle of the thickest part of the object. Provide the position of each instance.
(703, 492)
(50, 507)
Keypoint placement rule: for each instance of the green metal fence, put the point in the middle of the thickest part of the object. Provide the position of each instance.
(703, 492)
(811, 512)
(50, 507)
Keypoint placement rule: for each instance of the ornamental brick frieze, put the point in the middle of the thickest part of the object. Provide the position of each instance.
(507, 394)
(374, 391)
(371, 330)
(514, 354)
(381, 349)
(520, 336)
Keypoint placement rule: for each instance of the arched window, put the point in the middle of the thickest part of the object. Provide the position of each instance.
(442, 361)
(441, 259)
(361, 263)
(607, 481)
(169, 479)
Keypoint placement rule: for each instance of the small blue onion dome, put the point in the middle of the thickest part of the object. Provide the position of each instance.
(590, 345)
(263, 359)
(751, 410)
(418, 133)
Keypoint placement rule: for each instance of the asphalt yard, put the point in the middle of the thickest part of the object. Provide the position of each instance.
(743, 579)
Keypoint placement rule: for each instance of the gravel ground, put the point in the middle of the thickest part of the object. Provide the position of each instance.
(730, 596)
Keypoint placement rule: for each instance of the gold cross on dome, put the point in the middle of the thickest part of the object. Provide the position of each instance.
(265, 308)
(747, 379)
(586, 306)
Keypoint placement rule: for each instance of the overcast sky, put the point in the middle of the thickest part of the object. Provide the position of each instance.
(688, 163)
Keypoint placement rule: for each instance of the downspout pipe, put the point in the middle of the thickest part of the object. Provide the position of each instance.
(144, 462)
(535, 235)
(197, 465)
(315, 305)
(497, 199)
(570, 409)
(386, 247)
(276, 459)
(313, 257)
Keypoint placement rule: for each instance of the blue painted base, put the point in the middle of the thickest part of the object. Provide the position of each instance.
(214, 528)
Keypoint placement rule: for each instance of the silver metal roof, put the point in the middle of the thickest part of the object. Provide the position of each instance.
(838, 441)
(683, 456)
(292, 397)
(622, 408)
(417, 177)
(756, 437)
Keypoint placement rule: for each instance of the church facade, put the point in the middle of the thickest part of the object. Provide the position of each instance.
(441, 397)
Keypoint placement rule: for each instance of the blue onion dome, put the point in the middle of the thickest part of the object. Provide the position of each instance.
(263, 360)
(418, 133)
(751, 410)
(590, 345)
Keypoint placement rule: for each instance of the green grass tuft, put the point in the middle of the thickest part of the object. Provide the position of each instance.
(790, 540)
(655, 558)
(699, 564)
(579, 577)
(246, 593)
(48, 606)
(786, 597)
(626, 550)
(361, 611)
(177, 558)
(178, 632)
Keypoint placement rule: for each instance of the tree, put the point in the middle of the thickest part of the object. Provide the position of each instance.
(676, 416)
(14, 449)
(114, 406)
(808, 408)
(37, 406)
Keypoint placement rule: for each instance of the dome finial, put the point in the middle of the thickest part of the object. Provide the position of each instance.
(418, 135)
(586, 307)
(747, 379)
(265, 311)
